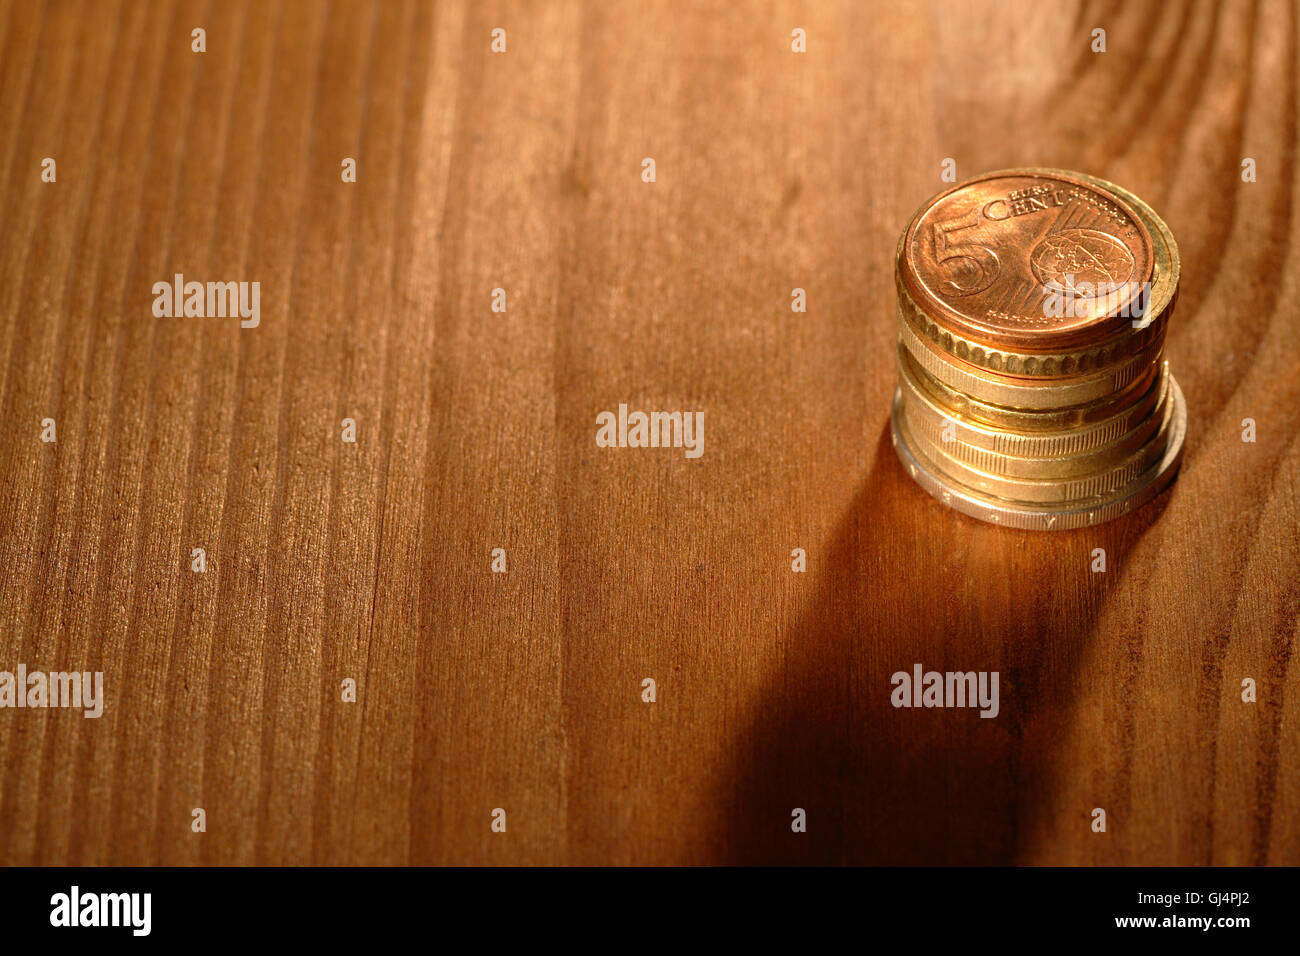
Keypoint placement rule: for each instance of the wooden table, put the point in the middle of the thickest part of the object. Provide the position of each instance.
(523, 171)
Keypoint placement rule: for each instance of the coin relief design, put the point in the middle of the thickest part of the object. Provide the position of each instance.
(1081, 260)
(986, 257)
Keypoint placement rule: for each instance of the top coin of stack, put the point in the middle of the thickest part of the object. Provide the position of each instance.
(1032, 311)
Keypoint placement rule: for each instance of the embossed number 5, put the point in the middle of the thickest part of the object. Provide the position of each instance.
(948, 254)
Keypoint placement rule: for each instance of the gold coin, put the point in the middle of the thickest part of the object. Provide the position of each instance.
(1026, 419)
(969, 440)
(983, 461)
(1040, 516)
(1040, 487)
(998, 390)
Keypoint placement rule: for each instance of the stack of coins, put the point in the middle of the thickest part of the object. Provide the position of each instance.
(1032, 311)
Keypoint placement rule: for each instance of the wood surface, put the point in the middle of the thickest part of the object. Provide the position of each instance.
(522, 171)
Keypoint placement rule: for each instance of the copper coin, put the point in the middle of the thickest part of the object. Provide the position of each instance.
(1031, 260)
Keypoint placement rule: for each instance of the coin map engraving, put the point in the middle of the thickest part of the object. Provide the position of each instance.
(1082, 259)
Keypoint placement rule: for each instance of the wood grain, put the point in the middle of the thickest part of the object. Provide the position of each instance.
(522, 171)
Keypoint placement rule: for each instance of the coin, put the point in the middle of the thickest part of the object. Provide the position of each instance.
(1048, 517)
(942, 424)
(1030, 365)
(987, 258)
(1046, 420)
(1064, 478)
(1000, 390)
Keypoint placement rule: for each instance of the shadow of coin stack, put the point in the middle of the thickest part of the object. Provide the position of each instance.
(1010, 419)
